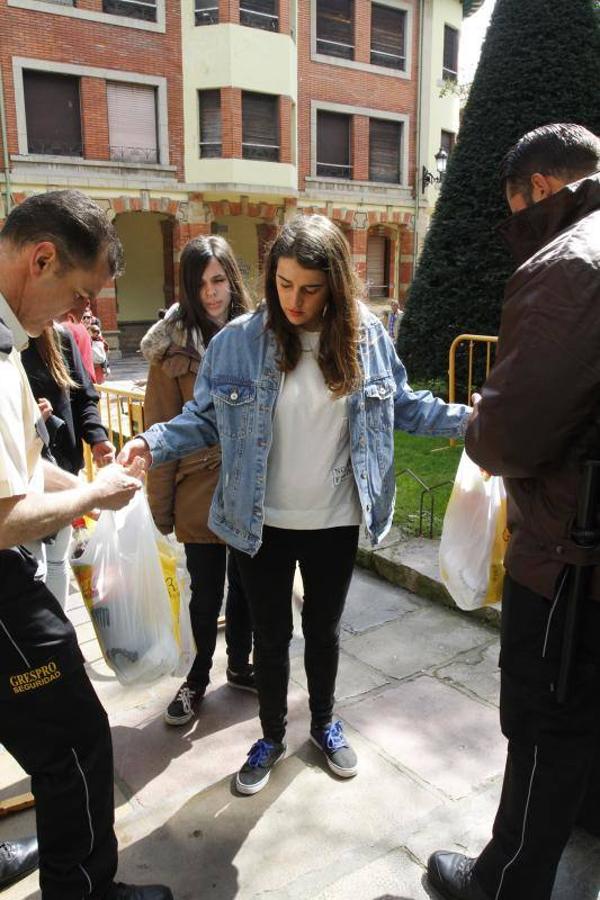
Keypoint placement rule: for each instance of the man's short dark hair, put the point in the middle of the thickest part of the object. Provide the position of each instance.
(566, 151)
(79, 229)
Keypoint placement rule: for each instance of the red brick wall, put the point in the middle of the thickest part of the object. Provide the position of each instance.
(94, 119)
(50, 37)
(352, 87)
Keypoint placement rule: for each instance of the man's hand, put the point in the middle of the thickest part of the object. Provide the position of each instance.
(135, 449)
(475, 399)
(115, 486)
(45, 408)
(103, 454)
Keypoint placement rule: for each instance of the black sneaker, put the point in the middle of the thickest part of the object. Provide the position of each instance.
(243, 681)
(256, 771)
(185, 705)
(341, 758)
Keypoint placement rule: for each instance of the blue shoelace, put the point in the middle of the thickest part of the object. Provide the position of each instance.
(333, 736)
(259, 753)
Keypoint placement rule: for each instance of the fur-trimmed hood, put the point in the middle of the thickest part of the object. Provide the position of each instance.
(170, 344)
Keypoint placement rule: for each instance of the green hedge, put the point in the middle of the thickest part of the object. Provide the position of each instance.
(540, 63)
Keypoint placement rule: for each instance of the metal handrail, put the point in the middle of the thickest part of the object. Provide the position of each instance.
(472, 339)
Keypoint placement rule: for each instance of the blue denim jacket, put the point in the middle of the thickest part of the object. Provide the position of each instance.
(234, 403)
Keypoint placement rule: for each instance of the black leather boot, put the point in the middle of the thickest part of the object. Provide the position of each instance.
(452, 875)
(17, 859)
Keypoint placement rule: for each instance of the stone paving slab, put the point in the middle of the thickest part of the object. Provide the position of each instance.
(354, 678)
(428, 636)
(476, 671)
(449, 740)
(395, 876)
(372, 602)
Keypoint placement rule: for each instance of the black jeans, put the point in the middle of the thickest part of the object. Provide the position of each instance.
(53, 724)
(326, 558)
(551, 777)
(206, 565)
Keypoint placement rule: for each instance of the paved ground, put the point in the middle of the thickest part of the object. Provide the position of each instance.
(417, 691)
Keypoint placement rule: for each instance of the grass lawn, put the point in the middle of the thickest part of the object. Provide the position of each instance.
(433, 461)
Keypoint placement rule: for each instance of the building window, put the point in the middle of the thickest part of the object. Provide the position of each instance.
(207, 12)
(259, 14)
(134, 9)
(335, 28)
(333, 145)
(260, 126)
(385, 142)
(450, 70)
(61, 2)
(447, 142)
(388, 41)
(378, 266)
(132, 122)
(52, 114)
(210, 124)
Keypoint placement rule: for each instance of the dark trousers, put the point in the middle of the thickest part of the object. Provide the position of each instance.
(206, 564)
(551, 778)
(53, 724)
(326, 558)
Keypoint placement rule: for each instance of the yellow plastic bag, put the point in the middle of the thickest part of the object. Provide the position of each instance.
(474, 538)
(177, 581)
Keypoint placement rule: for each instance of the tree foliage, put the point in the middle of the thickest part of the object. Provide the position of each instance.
(540, 63)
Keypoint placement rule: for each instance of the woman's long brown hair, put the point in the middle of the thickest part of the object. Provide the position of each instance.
(195, 257)
(316, 243)
(48, 348)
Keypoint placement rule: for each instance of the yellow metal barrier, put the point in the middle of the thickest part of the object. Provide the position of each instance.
(122, 414)
(471, 339)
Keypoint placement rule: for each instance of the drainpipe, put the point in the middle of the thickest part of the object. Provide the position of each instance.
(4, 138)
(418, 141)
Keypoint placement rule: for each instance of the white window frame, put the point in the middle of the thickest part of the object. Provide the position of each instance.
(96, 16)
(21, 63)
(361, 66)
(370, 113)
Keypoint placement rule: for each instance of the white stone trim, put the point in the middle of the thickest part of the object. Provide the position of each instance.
(371, 113)
(361, 66)
(41, 65)
(93, 16)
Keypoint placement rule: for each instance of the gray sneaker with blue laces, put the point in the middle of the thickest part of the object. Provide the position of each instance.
(256, 771)
(340, 756)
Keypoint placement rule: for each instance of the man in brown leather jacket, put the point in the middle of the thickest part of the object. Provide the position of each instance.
(537, 420)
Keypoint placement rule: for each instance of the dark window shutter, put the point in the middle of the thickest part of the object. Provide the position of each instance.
(52, 113)
(206, 12)
(210, 124)
(377, 265)
(333, 145)
(132, 9)
(385, 140)
(388, 37)
(450, 70)
(335, 28)
(259, 14)
(260, 126)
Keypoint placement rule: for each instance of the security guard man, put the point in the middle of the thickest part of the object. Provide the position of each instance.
(57, 250)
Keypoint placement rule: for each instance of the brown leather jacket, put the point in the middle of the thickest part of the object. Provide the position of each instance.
(179, 493)
(539, 416)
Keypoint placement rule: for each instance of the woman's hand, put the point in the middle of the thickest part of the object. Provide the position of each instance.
(135, 449)
(103, 453)
(45, 408)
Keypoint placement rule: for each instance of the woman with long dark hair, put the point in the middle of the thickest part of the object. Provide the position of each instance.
(304, 396)
(211, 294)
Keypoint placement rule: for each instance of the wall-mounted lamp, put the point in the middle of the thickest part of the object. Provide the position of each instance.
(427, 178)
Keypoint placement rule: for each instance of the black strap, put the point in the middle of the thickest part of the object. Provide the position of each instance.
(6, 338)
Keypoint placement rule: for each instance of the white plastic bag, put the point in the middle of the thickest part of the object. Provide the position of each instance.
(177, 580)
(474, 537)
(121, 581)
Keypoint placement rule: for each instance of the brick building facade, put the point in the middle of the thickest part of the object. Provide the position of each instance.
(193, 117)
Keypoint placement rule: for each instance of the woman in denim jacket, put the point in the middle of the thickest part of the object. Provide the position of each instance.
(303, 395)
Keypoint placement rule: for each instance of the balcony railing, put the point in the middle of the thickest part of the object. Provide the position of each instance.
(334, 170)
(266, 152)
(134, 154)
(335, 48)
(254, 19)
(389, 60)
(210, 150)
(134, 9)
(206, 13)
(55, 147)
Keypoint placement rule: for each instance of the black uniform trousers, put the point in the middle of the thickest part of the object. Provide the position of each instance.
(53, 724)
(551, 781)
(326, 558)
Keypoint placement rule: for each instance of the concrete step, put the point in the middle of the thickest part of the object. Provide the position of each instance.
(412, 563)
